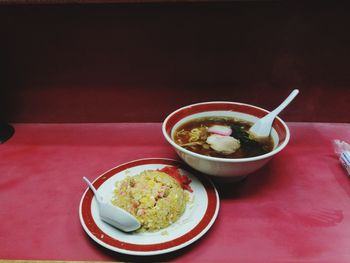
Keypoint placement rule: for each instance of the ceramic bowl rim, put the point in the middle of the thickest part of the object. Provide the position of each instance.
(218, 159)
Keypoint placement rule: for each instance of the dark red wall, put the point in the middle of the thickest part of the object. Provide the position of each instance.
(137, 62)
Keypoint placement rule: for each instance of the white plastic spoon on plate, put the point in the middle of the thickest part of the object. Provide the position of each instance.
(262, 128)
(114, 215)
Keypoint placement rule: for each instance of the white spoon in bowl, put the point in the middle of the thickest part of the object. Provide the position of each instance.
(262, 128)
(114, 215)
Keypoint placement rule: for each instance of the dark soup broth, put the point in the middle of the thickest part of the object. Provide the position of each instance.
(194, 135)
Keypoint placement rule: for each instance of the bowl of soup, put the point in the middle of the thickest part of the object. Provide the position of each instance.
(214, 138)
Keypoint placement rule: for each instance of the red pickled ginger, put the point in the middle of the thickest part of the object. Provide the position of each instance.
(174, 172)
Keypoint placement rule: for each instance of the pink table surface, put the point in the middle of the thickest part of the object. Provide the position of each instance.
(295, 208)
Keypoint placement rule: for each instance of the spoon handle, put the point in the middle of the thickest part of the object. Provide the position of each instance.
(98, 197)
(284, 104)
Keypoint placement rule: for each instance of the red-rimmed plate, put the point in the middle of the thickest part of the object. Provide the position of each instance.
(199, 216)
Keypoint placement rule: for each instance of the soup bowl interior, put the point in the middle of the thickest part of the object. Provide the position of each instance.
(227, 168)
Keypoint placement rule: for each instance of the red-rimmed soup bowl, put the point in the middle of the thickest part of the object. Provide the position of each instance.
(228, 168)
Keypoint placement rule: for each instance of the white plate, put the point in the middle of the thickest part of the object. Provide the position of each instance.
(200, 213)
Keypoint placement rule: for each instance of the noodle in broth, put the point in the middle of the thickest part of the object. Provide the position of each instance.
(194, 134)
